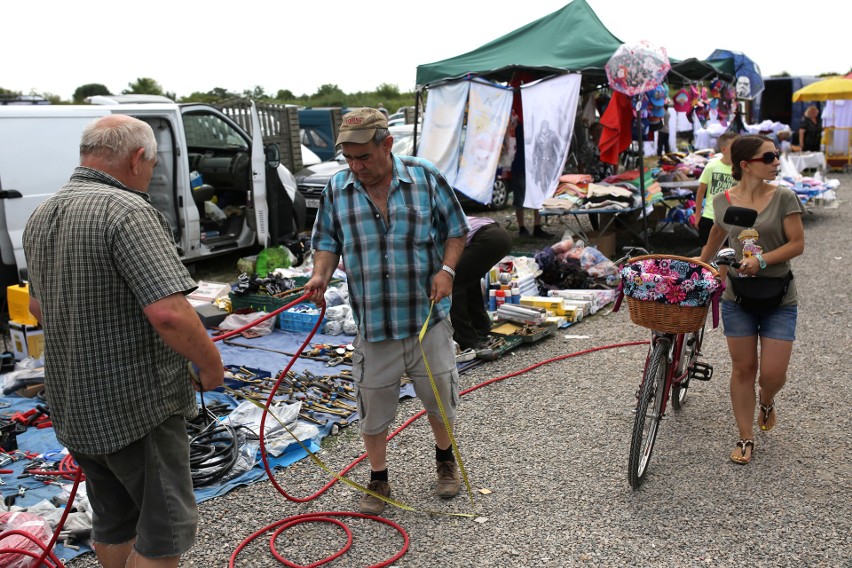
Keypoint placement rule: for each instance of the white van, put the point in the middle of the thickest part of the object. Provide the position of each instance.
(219, 188)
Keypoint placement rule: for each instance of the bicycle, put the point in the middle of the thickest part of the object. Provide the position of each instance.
(677, 333)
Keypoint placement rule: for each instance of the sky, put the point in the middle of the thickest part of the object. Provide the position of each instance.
(53, 47)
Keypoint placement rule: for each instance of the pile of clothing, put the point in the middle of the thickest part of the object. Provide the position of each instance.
(570, 265)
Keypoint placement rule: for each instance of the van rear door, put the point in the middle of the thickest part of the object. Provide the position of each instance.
(39, 149)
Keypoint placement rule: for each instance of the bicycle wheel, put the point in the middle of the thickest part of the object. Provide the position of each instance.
(648, 413)
(688, 355)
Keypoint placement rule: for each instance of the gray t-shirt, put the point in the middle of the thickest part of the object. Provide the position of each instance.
(766, 235)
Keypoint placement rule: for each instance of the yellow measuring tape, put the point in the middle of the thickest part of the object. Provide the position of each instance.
(359, 487)
(447, 425)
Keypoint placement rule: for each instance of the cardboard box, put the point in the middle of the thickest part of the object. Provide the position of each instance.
(27, 341)
(208, 291)
(30, 391)
(603, 242)
(548, 303)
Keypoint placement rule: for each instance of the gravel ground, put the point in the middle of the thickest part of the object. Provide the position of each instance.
(551, 446)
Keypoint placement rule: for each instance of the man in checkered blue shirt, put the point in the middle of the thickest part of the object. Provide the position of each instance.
(399, 229)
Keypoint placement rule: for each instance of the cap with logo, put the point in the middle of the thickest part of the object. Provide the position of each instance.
(360, 125)
(682, 101)
(658, 96)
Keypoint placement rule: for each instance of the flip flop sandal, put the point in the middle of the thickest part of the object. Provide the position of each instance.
(765, 414)
(739, 453)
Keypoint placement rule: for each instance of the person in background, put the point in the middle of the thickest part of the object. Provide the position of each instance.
(783, 141)
(399, 228)
(518, 181)
(810, 130)
(715, 179)
(776, 237)
(590, 156)
(381, 108)
(108, 287)
(669, 118)
(487, 243)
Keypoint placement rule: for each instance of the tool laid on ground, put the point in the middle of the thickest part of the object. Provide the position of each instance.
(10, 499)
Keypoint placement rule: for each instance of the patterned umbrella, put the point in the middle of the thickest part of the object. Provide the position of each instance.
(637, 67)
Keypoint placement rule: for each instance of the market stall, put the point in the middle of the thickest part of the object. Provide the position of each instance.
(566, 51)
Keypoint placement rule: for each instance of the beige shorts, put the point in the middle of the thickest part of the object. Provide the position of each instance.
(377, 368)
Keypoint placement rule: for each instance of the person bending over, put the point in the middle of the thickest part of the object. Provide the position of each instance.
(487, 243)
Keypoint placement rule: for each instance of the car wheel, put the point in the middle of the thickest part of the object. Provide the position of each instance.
(499, 195)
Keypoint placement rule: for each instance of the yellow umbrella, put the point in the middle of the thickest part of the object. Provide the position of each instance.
(831, 89)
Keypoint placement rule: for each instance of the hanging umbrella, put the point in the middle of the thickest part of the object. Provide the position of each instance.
(831, 89)
(749, 81)
(634, 69)
(637, 67)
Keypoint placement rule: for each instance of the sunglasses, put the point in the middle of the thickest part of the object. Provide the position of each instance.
(767, 158)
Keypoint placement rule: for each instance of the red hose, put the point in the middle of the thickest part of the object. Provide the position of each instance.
(311, 517)
(69, 470)
(65, 469)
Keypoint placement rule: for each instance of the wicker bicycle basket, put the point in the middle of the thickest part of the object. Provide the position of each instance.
(668, 318)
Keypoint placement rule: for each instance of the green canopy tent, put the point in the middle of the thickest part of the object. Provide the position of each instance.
(570, 39)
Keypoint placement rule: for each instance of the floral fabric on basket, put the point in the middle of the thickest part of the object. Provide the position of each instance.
(669, 281)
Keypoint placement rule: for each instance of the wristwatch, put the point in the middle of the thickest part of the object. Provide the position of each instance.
(449, 271)
(759, 258)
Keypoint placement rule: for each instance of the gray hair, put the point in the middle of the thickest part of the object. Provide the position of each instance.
(380, 135)
(117, 137)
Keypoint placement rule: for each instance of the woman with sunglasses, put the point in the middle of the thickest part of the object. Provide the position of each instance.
(758, 342)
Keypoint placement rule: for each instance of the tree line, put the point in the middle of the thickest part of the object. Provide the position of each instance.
(328, 94)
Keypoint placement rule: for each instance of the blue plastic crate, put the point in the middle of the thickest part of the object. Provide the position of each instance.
(296, 320)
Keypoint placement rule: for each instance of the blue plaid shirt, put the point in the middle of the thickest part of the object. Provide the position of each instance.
(389, 267)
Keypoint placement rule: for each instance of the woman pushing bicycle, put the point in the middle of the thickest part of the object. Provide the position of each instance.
(759, 306)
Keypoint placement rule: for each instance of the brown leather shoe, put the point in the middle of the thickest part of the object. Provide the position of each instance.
(373, 505)
(448, 479)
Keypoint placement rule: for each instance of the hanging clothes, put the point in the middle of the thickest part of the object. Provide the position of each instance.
(488, 113)
(617, 122)
(442, 127)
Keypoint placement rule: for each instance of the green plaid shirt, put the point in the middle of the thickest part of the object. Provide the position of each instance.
(97, 253)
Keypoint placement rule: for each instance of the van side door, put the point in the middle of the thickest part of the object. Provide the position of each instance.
(39, 150)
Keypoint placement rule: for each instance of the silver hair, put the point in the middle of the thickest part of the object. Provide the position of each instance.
(118, 139)
(380, 135)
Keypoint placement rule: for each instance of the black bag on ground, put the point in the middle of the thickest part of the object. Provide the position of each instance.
(760, 294)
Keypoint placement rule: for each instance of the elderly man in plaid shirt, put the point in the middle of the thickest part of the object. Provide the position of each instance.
(397, 225)
(108, 287)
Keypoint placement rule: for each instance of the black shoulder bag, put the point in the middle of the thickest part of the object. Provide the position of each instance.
(759, 295)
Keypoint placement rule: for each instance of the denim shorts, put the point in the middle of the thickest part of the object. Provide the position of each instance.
(780, 323)
(144, 491)
(377, 369)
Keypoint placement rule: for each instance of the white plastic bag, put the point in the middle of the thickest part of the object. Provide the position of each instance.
(236, 321)
(275, 438)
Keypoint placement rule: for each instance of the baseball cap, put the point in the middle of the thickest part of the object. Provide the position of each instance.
(360, 125)
(658, 96)
(682, 101)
